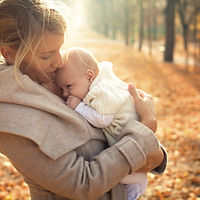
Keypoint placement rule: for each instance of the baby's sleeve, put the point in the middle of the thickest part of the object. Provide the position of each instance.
(92, 116)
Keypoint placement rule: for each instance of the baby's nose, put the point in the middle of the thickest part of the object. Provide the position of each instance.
(65, 94)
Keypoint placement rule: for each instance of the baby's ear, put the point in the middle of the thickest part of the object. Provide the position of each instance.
(8, 53)
(90, 75)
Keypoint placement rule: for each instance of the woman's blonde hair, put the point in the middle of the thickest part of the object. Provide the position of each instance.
(23, 22)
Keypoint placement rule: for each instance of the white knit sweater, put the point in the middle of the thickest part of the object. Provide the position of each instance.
(109, 95)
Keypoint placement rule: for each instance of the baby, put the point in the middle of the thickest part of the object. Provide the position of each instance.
(92, 89)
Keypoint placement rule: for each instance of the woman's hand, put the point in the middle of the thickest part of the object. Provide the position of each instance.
(144, 107)
(153, 161)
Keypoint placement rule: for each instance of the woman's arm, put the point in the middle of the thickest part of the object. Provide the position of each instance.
(145, 109)
(72, 176)
(153, 161)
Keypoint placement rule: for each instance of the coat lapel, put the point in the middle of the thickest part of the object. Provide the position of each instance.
(33, 112)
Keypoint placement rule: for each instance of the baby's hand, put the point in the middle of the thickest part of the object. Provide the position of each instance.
(73, 101)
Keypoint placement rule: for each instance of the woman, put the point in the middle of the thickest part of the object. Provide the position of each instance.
(58, 153)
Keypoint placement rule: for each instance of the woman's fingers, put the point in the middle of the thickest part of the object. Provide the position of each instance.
(137, 93)
(133, 91)
(143, 94)
(144, 107)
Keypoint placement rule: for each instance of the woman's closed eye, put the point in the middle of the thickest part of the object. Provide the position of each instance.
(46, 57)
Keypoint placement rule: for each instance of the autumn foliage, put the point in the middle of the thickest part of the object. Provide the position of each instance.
(177, 100)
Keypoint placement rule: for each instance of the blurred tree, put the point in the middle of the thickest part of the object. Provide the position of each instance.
(94, 15)
(127, 25)
(127, 19)
(105, 17)
(196, 41)
(150, 17)
(187, 9)
(169, 35)
(155, 14)
(112, 17)
(141, 29)
(114, 22)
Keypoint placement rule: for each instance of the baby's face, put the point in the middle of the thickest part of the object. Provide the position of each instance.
(72, 81)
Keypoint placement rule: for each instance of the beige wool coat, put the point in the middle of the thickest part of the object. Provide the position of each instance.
(59, 154)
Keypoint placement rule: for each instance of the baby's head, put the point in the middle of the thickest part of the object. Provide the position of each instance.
(79, 71)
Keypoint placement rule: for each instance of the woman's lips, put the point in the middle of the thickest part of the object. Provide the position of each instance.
(52, 75)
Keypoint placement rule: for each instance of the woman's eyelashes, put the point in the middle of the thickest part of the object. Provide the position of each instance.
(46, 56)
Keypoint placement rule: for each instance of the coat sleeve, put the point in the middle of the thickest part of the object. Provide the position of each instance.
(72, 176)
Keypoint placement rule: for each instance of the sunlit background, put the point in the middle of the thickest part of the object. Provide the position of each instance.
(154, 44)
(170, 28)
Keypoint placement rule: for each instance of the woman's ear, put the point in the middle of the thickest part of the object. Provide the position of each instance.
(8, 54)
(90, 75)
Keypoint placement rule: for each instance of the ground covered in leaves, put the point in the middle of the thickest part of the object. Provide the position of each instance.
(177, 99)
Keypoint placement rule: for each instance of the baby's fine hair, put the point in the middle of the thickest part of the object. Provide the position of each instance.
(83, 58)
(22, 24)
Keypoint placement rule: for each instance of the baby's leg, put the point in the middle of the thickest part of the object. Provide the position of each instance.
(135, 185)
(133, 191)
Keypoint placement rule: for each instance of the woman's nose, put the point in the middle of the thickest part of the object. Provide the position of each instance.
(58, 62)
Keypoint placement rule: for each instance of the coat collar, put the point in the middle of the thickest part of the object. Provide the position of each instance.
(37, 114)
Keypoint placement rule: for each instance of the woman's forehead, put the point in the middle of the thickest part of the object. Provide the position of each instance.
(50, 42)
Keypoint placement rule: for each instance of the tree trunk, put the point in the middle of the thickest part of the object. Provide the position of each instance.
(185, 36)
(154, 21)
(114, 32)
(149, 35)
(141, 32)
(126, 22)
(132, 33)
(127, 26)
(169, 36)
(196, 54)
(106, 30)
